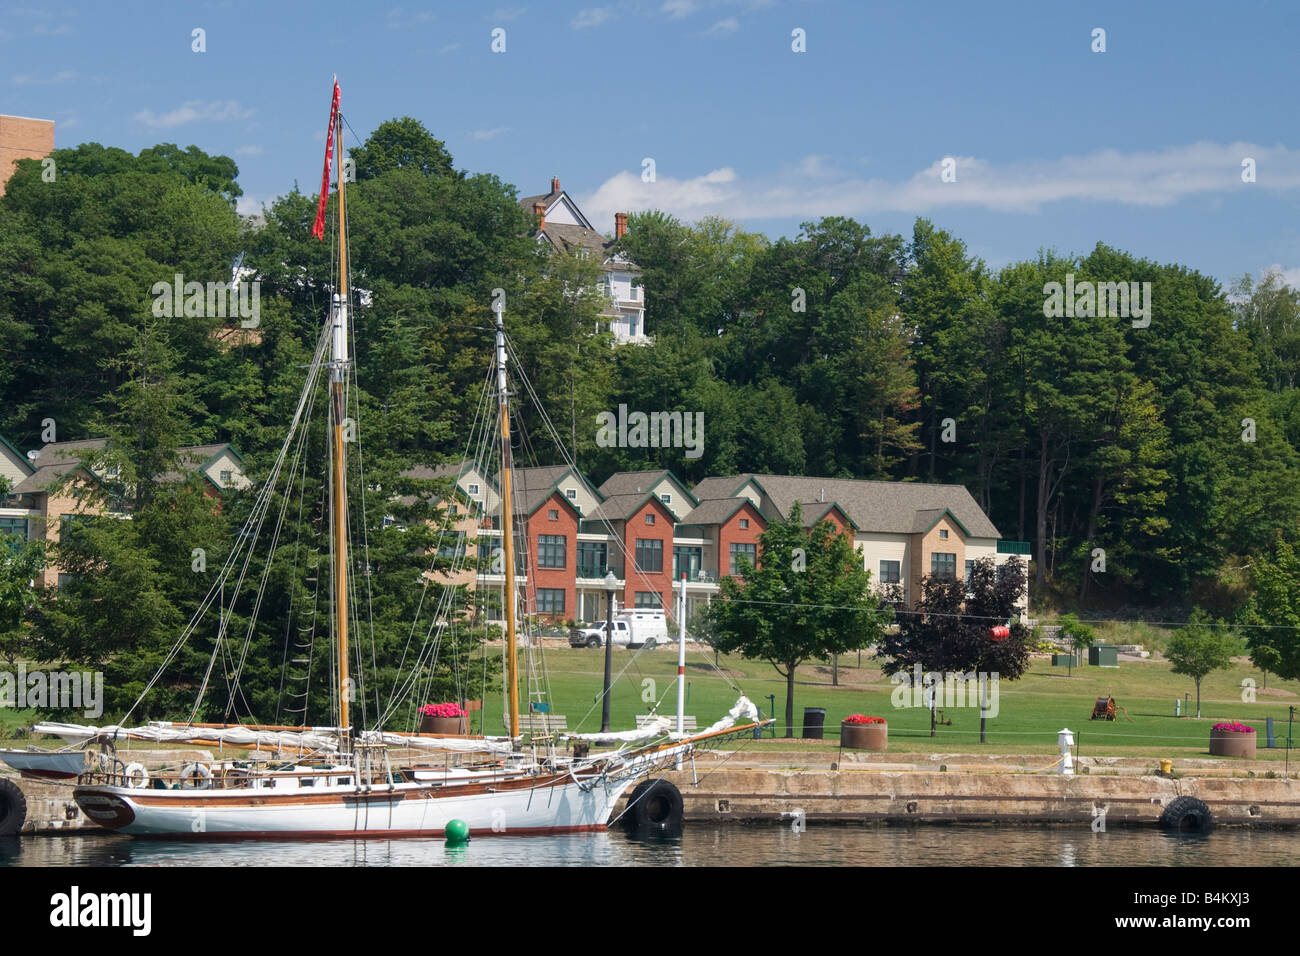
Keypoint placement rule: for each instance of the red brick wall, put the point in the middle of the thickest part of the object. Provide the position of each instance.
(662, 531)
(731, 532)
(22, 138)
(566, 577)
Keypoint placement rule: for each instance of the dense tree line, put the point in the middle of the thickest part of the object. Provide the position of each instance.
(1147, 461)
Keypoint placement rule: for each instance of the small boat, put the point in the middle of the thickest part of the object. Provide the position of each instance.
(36, 764)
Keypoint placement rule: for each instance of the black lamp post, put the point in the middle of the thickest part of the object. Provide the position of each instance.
(611, 583)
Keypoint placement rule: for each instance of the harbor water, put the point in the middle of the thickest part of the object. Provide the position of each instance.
(702, 845)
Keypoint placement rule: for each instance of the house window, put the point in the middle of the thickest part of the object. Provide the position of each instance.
(592, 556)
(553, 514)
(744, 524)
(473, 489)
(970, 565)
(551, 551)
(14, 526)
(943, 566)
(650, 518)
(226, 476)
(453, 546)
(943, 534)
(649, 599)
(743, 551)
(550, 600)
(666, 499)
(891, 572)
(571, 493)
(65, 580)
(649, 555)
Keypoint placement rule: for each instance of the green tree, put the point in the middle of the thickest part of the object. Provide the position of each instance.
(1272, 614)
(1199, 648)
(401, 144)
(21, 563)
(809, 598)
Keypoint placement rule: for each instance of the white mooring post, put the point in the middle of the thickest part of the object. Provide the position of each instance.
(681, 659)
(1066, 740)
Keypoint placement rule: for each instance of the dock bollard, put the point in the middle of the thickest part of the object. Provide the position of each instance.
(1065, 739)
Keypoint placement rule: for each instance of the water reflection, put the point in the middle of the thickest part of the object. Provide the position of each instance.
(700, 846)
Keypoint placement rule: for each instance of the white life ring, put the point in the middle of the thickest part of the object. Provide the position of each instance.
(196, 776)
(136, 775)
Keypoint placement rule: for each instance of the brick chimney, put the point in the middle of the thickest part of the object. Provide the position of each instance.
(620, 225)
(539, 210)
(555, 184)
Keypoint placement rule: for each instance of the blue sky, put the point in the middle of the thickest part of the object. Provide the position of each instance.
(1055, 146)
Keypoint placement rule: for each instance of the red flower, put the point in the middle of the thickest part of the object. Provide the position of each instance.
(1236, 727)
(441, 710)
(860, 719)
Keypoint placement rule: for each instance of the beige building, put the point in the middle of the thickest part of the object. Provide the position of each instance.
(42, 495)
(22, 137)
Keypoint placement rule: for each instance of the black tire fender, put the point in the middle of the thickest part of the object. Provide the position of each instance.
(655, 805)
(13, 808)
(1187, 815)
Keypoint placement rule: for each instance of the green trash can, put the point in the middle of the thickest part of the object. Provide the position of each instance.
(814, 719)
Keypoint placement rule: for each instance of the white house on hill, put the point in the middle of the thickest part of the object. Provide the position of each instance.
(562, 224)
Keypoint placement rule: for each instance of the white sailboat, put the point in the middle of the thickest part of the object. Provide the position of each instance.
(332, 782)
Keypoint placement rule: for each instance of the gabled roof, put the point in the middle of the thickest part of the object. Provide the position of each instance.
(622, 507)
(58, 459)
(925, 520)
(634, 482)
(713, 511)
(873, 506)
(531, 486)
(18, 456)
(815, 511)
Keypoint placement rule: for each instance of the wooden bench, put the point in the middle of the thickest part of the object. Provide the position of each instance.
(688, 721)
(542, 723)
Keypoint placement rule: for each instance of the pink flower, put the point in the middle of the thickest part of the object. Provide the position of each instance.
(1236, 727)
(860, 719)
(441, 710)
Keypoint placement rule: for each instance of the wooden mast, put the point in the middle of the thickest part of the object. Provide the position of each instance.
(507, 532)
(338, 460)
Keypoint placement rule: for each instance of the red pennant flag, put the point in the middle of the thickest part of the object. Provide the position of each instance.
(318, 230)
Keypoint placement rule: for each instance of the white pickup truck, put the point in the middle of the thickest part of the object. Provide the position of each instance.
(631, 629)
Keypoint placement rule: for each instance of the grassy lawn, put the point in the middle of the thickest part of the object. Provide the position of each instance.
(1031, 710)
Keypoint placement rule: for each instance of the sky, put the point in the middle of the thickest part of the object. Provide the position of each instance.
(1049, 142)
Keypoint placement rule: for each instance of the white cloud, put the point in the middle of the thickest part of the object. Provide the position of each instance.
(481, 134)
(677, 9)
(729, 25)
(813, 187)
(43, 79)
(250, 205)
(1290, 277)
(249, 151)
(592, 17)
(45, 30)
(505, 15)
(193, 111)
(449, 47)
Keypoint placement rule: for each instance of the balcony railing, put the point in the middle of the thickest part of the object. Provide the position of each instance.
(1014, 547)
(597, 571)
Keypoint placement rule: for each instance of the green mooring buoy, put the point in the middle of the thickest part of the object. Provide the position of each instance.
(457, 833)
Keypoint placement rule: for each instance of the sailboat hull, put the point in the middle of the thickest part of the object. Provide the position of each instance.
(559, 804)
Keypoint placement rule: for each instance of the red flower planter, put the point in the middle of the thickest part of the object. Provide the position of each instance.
(444, 726)
(864, 736)
(1232, 743)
